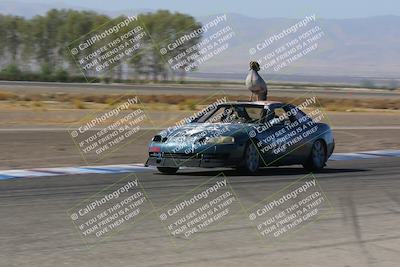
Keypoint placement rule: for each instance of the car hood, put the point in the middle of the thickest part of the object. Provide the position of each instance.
(196, 131)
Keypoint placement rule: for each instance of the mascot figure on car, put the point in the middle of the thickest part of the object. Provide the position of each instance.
(255, 83)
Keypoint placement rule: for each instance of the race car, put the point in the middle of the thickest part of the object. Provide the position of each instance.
(246, 136)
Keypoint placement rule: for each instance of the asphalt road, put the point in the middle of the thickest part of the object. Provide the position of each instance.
(360, 229)
(41, 147)
(45, 87)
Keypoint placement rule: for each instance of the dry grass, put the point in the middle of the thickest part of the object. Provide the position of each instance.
(37, 104)
(7, 96)
(188, 102)
(79, 104)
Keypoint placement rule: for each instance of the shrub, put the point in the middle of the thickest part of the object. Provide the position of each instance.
(367, 84)
(78, 104)
(11, 72)
(37, 104)
(46, 72)
(61, 75)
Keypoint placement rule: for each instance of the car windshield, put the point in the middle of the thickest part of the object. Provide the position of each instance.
(233, 114)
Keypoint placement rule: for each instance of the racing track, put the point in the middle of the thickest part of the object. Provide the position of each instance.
(361, 230)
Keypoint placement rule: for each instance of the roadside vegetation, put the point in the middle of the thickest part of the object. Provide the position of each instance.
(36, 49)
(179, 102)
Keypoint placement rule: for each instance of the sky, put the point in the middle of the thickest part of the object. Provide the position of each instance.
(252, 8)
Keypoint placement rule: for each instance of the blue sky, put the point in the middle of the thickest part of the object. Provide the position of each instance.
(253, 8)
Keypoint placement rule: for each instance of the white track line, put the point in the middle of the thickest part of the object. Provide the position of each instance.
(136, 168)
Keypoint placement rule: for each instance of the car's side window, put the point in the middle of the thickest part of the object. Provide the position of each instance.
(278, 116)
(297, 114)
(217, 116)
(255, 114)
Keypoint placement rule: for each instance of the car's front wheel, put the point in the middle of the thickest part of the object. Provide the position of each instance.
(317, 158)
(167, 170)
(251, 159)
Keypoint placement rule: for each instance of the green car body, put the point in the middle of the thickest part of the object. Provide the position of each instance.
(244, 135)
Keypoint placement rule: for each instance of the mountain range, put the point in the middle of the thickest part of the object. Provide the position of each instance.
(366, 47)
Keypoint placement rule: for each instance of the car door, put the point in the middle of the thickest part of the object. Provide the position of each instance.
(300, 141)
(269, 135)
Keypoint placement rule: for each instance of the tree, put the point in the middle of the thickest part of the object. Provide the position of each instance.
(165, 28)
(11, 27)
(43, 41)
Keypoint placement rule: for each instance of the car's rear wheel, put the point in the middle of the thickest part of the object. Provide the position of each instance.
(167, 170)
(317, 158)
(251, 159)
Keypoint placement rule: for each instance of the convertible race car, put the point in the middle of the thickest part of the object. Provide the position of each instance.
(246, 136)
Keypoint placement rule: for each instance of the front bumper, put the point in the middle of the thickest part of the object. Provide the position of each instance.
(192, 160)
(210, 156)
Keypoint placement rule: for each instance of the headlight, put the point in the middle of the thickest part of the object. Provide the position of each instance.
(220, 140)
